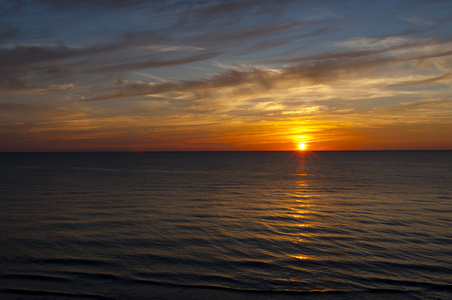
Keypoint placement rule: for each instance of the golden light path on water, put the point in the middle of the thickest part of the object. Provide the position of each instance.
(299, 212)
(303, 205)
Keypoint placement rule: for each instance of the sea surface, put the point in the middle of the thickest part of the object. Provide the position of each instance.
(226, 225)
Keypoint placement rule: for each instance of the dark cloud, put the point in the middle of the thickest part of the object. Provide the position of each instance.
(66, 5)
(19, 56)
(34, 65)
(411, 50)
(153, 63)
(247, 36)
(228, 11)
(18, 63)
(244, 81)
(9, 84)
(48, 61)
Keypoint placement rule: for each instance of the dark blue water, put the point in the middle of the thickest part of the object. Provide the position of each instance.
(226, 225)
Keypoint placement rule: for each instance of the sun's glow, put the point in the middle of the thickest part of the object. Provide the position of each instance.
(302, 146)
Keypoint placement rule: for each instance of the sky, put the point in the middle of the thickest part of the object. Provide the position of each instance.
(249, 75)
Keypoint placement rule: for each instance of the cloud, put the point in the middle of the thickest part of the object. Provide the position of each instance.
(428, 104)
(228, 11)
(26, 65)
(68, 5)
(416, 20)
(21, 87)
(35, 66)
(153, 63)
(423, 81)
(19, 56)
(31, 115)
(220, 72)
(328, 68)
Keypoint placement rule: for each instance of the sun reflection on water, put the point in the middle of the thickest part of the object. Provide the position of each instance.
(301, 212)
(300, 257)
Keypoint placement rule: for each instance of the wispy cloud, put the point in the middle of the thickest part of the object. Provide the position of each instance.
(326, 68)
(416, 20)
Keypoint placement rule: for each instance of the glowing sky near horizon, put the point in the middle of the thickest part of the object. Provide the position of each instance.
(225, 75)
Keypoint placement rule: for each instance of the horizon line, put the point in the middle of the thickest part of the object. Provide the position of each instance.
(175, 151)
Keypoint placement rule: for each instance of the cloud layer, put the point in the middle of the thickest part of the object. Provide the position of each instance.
(212, 75)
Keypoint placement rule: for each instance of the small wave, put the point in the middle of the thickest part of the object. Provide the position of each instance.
(224, 279)
(51, 293)
(290, 218)
(36, 277)
(73, 262)
(387, 290)
(268, 291)
(411, 283)
(237, 289)
(101, 276)
(350, 294)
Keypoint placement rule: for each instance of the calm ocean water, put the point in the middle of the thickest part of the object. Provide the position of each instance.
(226, 225)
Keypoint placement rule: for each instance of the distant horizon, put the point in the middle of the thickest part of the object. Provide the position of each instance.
(176, 151)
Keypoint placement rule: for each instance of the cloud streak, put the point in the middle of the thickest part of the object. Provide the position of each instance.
(318, 69)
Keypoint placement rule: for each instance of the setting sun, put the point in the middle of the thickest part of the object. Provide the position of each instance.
(302, 146)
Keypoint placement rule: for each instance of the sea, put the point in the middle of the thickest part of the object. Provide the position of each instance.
(226, 225)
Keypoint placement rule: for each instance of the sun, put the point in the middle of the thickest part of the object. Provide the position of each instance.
(302, 146)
